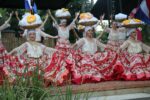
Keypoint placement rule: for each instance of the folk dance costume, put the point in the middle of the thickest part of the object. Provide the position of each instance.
(33, 56)
(136, 65)
(3, 52)
(90, 66)
(2, 49)
(116, 37)
(63, 43)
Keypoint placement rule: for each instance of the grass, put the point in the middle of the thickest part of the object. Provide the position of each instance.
(32, 88)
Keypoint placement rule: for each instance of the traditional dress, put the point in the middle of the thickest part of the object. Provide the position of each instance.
(115, 38)
(91, 66)
(63, 42)
(32, 57)
(3, 52)
(135, 63)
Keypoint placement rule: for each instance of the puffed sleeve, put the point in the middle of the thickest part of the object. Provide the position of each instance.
(48, 50)
(122, 29)
(19, 50)
(146, 48)
(80, 42)
(124, 45)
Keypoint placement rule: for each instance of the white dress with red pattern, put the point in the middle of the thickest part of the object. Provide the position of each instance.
(136, 65)
(3, 52)
(115, 38)
(33, 57)
(63, 43)
(90, 66)
(3, 57)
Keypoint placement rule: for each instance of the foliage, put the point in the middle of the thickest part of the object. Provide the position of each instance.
(3, 13)
(32, 88)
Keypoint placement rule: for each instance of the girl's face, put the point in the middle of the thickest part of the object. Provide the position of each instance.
(64, 23)
(133, 35)
(32, 36)
(89, 33)
(114, 25)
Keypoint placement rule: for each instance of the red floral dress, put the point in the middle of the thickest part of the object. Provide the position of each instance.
(3, 57)
(3, 52)
(89, 66)
(34, 57)
(63, 43)
(135, 64)
(115, 39)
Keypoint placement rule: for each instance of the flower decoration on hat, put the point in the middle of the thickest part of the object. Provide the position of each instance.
(31, 18)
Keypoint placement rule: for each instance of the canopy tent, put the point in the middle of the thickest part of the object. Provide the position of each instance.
(41, 4)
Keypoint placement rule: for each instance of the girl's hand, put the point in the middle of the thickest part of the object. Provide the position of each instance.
(47, 15)
(77, 14)
(11, 14)
(16, 13)
(55, 37)
(49, 12)
(102, 17)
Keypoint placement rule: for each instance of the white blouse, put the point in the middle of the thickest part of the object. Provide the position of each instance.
(89, 46)
(122, 35)
(119, 34)
(63, 33)
(33, 50)
(135, 47)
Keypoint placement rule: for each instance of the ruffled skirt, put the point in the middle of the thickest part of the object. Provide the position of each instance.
(91, 68)
(52, 68)
(3, 57)
(136, 66)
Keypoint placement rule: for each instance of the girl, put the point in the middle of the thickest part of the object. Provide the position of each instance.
(39, 32)
(90, 66)
(63, 43)
(135, 63)
(32, 56)
(116, 36)
(3, 52)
